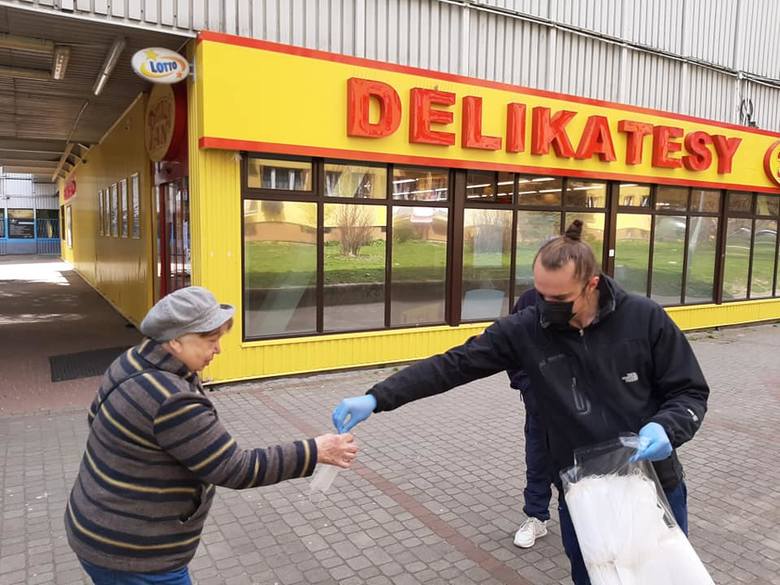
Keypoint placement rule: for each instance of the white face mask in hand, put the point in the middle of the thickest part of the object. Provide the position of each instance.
(321, 481)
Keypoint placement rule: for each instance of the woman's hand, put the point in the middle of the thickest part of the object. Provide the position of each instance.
(338, 450)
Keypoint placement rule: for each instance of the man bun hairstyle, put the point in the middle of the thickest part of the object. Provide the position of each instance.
(558, 252)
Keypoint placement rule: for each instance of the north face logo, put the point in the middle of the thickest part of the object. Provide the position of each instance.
(630, 377)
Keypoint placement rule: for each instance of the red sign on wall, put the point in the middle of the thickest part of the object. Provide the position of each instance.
(70, 190)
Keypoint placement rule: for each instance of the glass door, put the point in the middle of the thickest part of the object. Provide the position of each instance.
(174, 268)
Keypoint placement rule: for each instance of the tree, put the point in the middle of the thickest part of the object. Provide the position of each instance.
(355, 227)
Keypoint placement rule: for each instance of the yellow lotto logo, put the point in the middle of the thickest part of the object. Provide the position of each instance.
(160, 65)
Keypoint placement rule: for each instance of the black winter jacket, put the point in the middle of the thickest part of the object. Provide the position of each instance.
(630, 367)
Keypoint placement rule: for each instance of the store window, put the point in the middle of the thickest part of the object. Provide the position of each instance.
(355, 181)
(280, 267)
(69, 226)
(324, 263)
(2, 223)
(487, 241)
(750, 267)
(101, 213)
(534, 228)
(48, 224)
(354, 267)
(352, 246)
(666, 242)
(21, 224)
(420, 184)
(135, 205)
(490, 186)
(114, 208)
(279, 175)
(124, 226)
(418, 265)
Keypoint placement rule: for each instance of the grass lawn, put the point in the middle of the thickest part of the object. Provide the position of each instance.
(271, 264)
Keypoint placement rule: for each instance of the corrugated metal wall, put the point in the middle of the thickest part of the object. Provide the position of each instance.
(678, 55)
(21, 192)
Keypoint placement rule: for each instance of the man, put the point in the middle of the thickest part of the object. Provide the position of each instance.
(538, 467)
(601, 361)
(156, 450)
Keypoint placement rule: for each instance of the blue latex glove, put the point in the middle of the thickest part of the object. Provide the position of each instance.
(654, 445)
(351, 411)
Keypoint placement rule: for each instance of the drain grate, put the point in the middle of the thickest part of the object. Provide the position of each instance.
(85, 364)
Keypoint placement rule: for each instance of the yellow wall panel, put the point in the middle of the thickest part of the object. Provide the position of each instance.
(119, 268)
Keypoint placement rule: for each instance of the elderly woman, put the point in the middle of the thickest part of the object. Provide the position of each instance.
(156, 449)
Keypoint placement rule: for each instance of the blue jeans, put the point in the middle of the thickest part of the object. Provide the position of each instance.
(101, 576)
(678, 500)
(538, 468)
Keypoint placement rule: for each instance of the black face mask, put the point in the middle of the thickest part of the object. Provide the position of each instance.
(555, 314)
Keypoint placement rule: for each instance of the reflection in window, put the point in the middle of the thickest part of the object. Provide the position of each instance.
(125, 217)
(768, 205)
(480, 185)
(632, 251)
(705, 200)
(740, 202)
(489, 186)
(285, 175)
(486, 259)
(135, 203)
(668, 256)
(114, 211)
(412, 184)
(585, 194)
(354, 288)
(763, 272)
(737, 263)
(48, 223)
(419, 265)
(280, 267)
(633, 195)
(592, 230)
(671, 198)
(702, 246)
(534, 228)
(2, 223)
(21, 224)
(101, 213)
(360, 182)
(539, 191)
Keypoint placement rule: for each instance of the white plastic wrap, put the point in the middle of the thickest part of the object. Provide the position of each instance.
(625, 527)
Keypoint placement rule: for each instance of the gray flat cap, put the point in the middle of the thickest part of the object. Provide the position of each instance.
(188, 310)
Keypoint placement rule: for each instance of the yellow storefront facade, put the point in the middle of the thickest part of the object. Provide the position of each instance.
(359, 213)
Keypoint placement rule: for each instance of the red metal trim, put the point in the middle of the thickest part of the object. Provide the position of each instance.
(358, 61)
(292, 149)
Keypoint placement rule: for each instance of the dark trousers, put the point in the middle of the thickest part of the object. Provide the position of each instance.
(678, 500)
(538, 469)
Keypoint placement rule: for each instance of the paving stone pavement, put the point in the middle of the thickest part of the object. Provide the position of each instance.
(436, 496)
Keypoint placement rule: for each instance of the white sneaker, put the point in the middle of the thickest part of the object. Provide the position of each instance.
(527, 534)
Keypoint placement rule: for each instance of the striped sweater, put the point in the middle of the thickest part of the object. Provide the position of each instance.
(155, 451)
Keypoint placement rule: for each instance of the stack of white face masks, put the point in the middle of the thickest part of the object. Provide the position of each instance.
(626, 531)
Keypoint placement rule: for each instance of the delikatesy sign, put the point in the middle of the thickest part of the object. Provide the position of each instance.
(160, 65)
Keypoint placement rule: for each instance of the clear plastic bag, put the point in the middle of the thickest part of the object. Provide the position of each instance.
(625, 526)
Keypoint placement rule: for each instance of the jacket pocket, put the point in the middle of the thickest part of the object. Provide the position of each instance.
(200, 504)
(562, 379)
